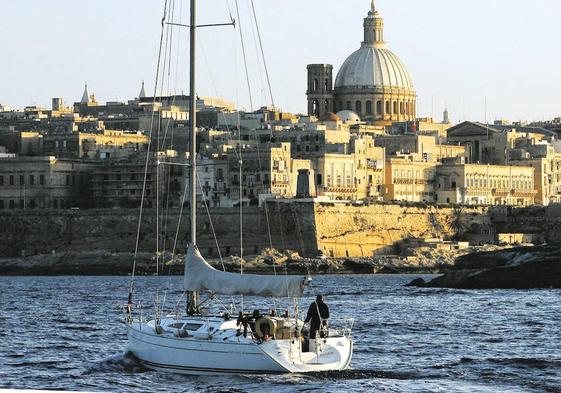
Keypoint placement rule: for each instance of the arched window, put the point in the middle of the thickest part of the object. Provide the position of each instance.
(316, 85)
(349, 106)
(401, 108)
(327, 85)
(395, 112)
(388, 109)
(368, 107)
(358, 107)
(378, 107)
(315, 108)
(326, 105)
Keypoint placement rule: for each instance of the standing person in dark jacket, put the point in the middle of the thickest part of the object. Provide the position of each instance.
(318, 313)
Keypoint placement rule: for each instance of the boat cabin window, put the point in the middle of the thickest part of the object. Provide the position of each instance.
(193, 326)
(177, 325)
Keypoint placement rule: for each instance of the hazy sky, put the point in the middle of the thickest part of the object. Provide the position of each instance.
(457, 51)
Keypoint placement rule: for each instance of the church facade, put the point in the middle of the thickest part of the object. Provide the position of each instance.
(373, 82)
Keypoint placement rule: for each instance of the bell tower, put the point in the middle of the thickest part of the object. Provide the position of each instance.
(320, 90)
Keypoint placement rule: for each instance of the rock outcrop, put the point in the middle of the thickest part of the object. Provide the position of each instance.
(269, 261)
(516, 268)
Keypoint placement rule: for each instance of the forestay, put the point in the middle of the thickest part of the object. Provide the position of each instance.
(200, 276)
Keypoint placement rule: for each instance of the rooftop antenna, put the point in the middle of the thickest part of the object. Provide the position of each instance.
(486, 124)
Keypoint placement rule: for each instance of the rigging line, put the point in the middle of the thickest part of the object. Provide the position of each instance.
(262, 89)
(168, 287)
(263, 53)
(162, 220)
(212, 81)
(240, 161)
(210, 221)
(146, 165)
(158, 144)
(244, 57)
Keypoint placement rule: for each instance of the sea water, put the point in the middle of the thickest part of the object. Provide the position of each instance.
(68, 333)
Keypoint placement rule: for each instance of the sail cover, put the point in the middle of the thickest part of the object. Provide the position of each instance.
(200, 276)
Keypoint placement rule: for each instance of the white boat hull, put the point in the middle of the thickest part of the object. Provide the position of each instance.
(231, 354)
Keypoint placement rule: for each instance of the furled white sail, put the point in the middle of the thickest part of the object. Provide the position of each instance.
(200, 276)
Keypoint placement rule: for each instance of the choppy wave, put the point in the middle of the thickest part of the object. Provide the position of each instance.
(122, 363)
(63, 333)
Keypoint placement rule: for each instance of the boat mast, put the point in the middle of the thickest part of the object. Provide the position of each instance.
(193, 296)
(193, 123)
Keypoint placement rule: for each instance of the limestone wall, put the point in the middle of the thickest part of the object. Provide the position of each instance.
(41, 232)
(377, 229)
(335, 229)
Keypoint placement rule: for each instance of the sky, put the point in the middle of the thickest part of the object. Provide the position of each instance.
(484, 59)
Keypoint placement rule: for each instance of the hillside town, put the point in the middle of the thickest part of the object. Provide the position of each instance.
(92, 155)
(361, 140)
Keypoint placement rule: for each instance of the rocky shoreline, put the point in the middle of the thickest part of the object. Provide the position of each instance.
(526, 267)
(422, 260)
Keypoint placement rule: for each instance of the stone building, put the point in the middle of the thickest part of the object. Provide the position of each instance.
(426, 147)
(356, 175)
(121, 184)
(547, 171)
(489, 143)
(267, 170)
(373, 81)
(88, 145)
(476, 184)
(214, 188)
(44, 183)
(408, 179)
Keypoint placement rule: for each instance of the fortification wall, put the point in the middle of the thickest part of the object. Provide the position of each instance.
(336, 229)
(355, 231)
(41, 232)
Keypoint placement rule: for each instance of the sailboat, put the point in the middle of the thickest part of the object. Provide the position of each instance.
(199, 343)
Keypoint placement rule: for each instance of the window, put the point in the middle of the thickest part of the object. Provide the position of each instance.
(1, 180)
(315, 107)
(12, 204)
(378, 107)
(368, 107)
(42, 179)
(21, 180)
(32, 180)
(349, 106)
(318, 179)
(21, 204)
(388, 110)
(11, 180)
(395, 108)
(358, 107)
(193, 326)
(1, 204)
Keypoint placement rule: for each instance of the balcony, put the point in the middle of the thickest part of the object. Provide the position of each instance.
(341, 190)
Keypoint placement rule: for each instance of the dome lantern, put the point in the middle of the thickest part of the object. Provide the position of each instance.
(373, 27)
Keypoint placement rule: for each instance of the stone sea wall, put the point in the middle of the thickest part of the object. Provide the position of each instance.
(114, 230)
(359, 231)
(337, 230)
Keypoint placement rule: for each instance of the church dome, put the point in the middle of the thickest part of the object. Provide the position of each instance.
(348, 116)
(373, 66)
